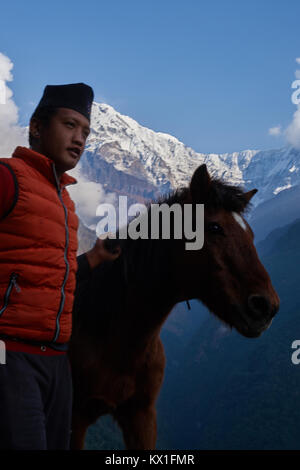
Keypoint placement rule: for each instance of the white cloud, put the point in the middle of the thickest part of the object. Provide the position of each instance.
(11, 134)
(87, 195)
(275, 130)
(5, 68)
(292, 132)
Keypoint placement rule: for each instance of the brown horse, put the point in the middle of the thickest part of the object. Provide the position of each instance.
(116, 354)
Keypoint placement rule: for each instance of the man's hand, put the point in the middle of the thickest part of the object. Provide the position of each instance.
(98, 254)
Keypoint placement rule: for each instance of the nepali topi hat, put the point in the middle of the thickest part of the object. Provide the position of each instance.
(76, 96)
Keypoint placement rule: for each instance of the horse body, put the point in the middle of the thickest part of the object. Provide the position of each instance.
(116, 354)
(121, 372)
(121, 378)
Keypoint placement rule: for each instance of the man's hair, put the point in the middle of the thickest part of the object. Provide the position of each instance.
(44, 115)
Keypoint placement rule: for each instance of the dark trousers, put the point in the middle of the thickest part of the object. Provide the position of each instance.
(35, 402)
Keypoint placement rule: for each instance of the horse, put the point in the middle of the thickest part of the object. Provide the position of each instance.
(116, 355)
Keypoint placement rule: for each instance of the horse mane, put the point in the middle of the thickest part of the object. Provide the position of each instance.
(146, 263)
(228, 197)
(221, 196)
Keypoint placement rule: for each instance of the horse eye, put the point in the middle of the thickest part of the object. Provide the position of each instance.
(214, 227)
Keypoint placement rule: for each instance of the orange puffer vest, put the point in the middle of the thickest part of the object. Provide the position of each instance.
(38, 245)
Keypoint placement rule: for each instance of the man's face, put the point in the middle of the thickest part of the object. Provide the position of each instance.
(63, 140)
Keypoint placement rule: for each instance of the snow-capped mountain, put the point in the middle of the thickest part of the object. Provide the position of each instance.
(130, 159)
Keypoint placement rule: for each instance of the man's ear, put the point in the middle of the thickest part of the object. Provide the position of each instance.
(34, 128)
(200, 184)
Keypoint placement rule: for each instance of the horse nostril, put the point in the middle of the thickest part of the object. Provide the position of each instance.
(259, 304)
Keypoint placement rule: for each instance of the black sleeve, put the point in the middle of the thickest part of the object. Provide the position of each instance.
(83, 270)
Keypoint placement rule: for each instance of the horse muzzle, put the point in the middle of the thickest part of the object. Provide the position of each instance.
(257, 317)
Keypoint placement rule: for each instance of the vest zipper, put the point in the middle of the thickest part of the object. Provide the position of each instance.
(62, 299)
(12, 283)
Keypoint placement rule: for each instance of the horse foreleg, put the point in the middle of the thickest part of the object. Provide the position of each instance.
(138, 426)
(79, 428)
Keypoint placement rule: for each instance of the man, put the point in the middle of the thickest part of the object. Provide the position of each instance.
(38, 245)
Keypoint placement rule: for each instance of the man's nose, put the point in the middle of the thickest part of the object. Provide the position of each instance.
(78, 138)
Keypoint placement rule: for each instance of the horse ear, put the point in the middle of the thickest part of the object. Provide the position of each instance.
(250, 194)
(200, 184)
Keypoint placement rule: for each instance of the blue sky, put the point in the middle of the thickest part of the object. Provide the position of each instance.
(216, 74)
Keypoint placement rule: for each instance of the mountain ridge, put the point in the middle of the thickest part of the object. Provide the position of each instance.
(120, 148)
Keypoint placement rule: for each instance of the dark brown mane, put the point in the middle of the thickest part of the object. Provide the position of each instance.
(221, 196)
(228, 197)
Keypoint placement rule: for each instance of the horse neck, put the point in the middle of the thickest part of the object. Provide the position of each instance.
(150, 290)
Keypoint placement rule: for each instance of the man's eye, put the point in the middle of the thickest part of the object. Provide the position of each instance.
(70, 124)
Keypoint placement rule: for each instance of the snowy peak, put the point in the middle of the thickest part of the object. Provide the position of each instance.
(160, 160)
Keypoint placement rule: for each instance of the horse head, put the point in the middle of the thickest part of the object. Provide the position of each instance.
(226, 273)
